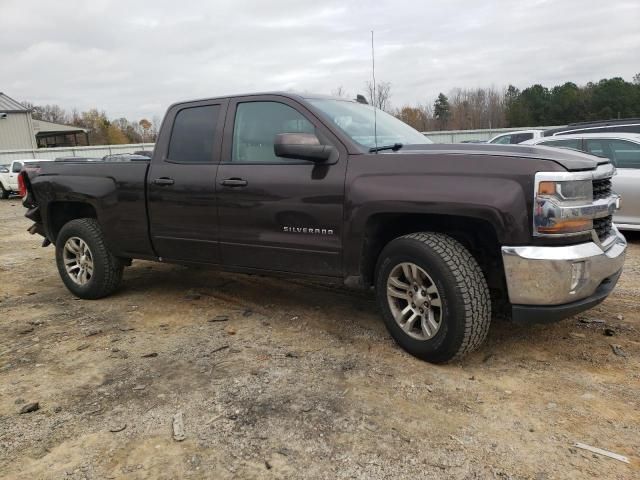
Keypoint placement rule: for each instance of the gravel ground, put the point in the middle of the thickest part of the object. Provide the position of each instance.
(288, 379)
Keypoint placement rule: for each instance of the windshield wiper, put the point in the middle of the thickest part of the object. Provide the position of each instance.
(395, 147)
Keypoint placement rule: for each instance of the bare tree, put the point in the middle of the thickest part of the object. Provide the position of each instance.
(146, 127)
(416, 117)
(48, 113)
(382, 95)
(339, 92)
(476, 108)
(155, 127)
(101, 129)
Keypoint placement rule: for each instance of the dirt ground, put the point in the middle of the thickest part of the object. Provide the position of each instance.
(288, 379)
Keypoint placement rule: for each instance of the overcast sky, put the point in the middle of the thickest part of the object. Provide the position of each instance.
(133, 58)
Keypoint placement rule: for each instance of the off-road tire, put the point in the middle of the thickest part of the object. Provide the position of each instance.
(108, 268)
(466, 303)
(4, 194)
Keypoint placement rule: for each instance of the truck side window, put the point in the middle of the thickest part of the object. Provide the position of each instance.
(256, 126)
(520, 137)
(193, 135)
(17, 167)
(503, 140)
(566, 143)
(599, 148)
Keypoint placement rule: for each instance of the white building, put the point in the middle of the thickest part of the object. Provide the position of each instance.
(16, 125)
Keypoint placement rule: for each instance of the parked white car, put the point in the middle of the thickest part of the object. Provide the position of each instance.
(9, 176)
(623, 149)
(518, 136)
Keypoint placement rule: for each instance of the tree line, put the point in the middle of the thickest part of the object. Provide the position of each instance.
(537, 105)
(101, 129)
(461, 109)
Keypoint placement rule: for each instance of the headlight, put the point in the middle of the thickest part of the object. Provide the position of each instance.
(561, 205)
(576, 190)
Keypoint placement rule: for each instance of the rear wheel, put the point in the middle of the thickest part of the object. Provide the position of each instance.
(433, 296)
(85, 264)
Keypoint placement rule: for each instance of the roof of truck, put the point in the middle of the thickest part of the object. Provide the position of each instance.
(294, 95)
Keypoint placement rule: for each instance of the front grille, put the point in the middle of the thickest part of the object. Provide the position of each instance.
(601, 188)
(603, 226)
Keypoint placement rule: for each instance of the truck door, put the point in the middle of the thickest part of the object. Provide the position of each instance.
(181, 183)
(276, 213)
(14, 171)
(625, 155)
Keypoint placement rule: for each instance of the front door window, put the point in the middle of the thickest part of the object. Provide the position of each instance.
(255, 129)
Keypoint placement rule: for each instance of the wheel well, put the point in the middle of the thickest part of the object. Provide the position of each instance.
(62, 212)
(477, 235)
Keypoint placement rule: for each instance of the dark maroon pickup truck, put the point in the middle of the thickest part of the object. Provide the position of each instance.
(308, 185)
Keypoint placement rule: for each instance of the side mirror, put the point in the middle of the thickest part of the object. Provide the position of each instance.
(304, 146)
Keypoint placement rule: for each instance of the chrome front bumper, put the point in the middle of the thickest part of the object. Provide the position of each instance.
(548, 276)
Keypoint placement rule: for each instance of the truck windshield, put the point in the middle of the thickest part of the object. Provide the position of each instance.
(356, 120)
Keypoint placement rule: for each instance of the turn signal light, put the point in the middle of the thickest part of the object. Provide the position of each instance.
(567, 226)
(547, 188)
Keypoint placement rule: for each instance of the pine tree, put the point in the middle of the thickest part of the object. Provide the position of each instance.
(441, 110)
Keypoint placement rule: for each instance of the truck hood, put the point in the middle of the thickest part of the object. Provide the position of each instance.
(570, 159)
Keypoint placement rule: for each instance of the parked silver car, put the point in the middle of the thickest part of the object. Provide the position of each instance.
(623, 149)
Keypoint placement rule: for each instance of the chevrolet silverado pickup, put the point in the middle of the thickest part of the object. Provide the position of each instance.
(330, 189)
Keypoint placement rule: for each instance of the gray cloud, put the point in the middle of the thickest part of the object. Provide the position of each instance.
(134, 58)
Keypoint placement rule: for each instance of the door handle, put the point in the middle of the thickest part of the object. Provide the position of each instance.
(163, 181)
(234, 182)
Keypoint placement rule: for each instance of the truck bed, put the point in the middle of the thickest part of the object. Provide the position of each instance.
(115, 189)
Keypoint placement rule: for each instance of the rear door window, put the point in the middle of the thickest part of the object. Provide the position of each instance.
(193, 135)
(625, 154)
(521, 137)
(503, 140)
(599, 148)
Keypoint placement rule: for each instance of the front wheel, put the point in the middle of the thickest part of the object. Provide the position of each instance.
(85, 264)
(433, 295)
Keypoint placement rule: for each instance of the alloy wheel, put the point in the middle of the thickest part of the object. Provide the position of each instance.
(414, 301)
(78, 260)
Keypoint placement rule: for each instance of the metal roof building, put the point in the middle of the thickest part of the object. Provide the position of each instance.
(49, 134)
(18, 130)
(16, 125)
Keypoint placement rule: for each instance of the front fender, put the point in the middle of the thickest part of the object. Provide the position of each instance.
(497, 190)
